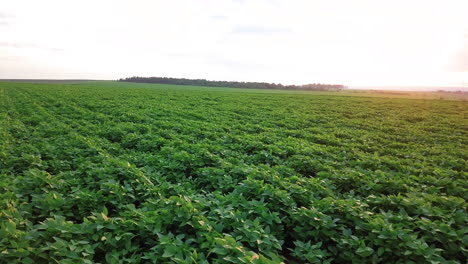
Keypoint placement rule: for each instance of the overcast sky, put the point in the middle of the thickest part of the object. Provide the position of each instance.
(353, 42)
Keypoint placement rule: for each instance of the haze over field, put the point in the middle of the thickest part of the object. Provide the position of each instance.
(356, 43)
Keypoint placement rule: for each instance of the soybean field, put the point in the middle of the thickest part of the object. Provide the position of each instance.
(109, 172)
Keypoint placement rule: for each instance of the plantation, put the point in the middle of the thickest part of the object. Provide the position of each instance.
(110, 172)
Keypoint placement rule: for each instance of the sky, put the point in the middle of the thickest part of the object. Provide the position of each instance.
(351, 42)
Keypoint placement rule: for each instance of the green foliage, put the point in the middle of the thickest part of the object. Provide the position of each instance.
(100, 173)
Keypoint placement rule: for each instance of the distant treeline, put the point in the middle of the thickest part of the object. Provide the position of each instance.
(254, 85)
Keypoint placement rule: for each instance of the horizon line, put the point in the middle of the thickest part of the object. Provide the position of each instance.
(352, 87)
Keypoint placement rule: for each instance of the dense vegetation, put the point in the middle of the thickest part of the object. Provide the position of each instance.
(255, 85)
(100, 173)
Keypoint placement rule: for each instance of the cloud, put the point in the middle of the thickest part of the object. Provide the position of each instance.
(183, 55)
(240, 1)
(232, 64)
(10, 45)
(260, 30)
(27, 45)
(219, 17)
(5, 15)
(5, 19)
(9, 58)
(216, 60)
(272, 2)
